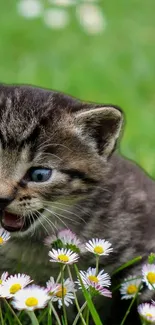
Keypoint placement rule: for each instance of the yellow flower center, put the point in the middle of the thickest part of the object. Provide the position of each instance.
(63, 258)
(93, 278)
(31, 302)
(1, 240)
(61, 291)
(98, 250)
(151, 277)
(131, 289)
(14, 288)
(1, 281)
(148, 315)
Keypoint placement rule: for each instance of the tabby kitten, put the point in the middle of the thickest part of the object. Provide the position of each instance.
(58, 169)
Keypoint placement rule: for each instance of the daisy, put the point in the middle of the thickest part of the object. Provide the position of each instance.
(30, 298)
(130, 287)
(3, 277)
(99, 246)
(63, 255)
(148, 272)
(49, 240)
(88, 277)
(65, 238)
(66, 292)
(147, 312)
(13, 284)
(4, 236)
(68, 238)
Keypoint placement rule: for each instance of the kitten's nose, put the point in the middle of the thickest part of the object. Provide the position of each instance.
(4, 201)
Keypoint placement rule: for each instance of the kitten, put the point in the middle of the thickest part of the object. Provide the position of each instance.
(58, 169)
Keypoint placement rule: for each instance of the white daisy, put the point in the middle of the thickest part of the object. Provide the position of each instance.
(130, 287)
(4, 236)
(65, 256)
(66, 292)
(147, 312)
(3, 277)
(99, 246)
(88, 277)
(30, 298)
(148, 272)
(13, 284)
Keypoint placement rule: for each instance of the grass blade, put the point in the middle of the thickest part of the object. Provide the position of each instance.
(90, 304)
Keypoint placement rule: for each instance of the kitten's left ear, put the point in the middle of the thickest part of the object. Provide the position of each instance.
(102, 125)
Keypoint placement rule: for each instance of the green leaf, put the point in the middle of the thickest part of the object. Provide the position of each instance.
(125, 265)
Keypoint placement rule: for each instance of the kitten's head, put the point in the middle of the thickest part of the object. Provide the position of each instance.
(52, 148)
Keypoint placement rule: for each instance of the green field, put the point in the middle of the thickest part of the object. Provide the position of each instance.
(115, 66)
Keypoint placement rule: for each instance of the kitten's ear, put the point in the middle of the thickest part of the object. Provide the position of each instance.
(102, 125)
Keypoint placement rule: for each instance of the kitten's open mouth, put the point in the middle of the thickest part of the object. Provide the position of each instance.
(14, 222)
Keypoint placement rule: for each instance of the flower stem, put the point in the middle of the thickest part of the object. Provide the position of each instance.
(63, 303)
(55, 313)
(87, 316)
(12, 311)
(97, 264)
(59, 275)
(76, 300)
(33, 317)
(78, 315)
(129, 308)
(1, 316)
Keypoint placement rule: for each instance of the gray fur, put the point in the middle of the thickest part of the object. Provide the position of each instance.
(115, 201)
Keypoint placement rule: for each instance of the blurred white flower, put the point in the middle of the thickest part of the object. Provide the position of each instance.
(30, 8)
(56, 18)
(148, 272)
(63, 2)
(147, 312)
(91, 18)
(130, 287)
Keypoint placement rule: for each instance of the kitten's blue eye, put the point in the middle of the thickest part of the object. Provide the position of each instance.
(39, 174)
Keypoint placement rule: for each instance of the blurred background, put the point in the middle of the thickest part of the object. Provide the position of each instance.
(97, 51)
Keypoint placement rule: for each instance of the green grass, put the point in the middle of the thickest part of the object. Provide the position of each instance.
(117, 66)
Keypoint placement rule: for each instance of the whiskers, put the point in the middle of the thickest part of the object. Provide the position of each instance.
(60, 206)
